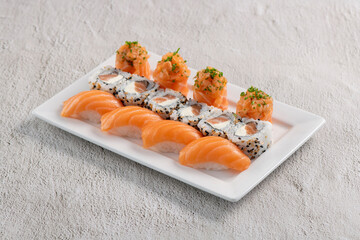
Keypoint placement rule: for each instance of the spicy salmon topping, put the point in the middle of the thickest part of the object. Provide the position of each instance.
(172, 72)
(133, 58)
(211, 81)
(255, 104)
(210, 88)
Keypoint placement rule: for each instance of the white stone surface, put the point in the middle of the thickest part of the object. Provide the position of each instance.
(55, 185)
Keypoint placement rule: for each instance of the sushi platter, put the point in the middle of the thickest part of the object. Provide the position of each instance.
(226, 151)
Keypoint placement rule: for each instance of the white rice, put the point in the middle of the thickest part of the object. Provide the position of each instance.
(126, 131)
(91, 116)
(167, 147)
(210, 166)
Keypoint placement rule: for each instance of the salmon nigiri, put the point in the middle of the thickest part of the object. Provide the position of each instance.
(172, 72)
(90, 105)
(210, 88)
(133, 58)
(128, 121)
(255, 104)
(168, 135)
(214, 153)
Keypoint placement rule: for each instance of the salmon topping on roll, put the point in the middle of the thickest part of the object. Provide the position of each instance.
(210, 88)
(172, 72)
(255, 104)
(133, 58)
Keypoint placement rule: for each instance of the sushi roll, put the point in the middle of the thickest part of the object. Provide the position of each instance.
(128, 121)
(90, 105)
(253, 137)
(191, 113)
(216, 123)
(165, 102)
(255, 104)
(213, 153)
(168, 136)
(134, 91)
(108, 79)
(172, 72)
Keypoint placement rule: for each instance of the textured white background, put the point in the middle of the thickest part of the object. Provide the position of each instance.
(304, 53)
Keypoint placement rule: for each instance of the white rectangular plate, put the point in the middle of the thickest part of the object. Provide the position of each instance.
(292, 127)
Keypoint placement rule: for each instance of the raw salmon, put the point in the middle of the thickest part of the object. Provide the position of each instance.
(215, 153)
(90, 105)
(210, 88)
(255, 104)
(128, 121)
(172, 72)
(168, 135)
(133, 58)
